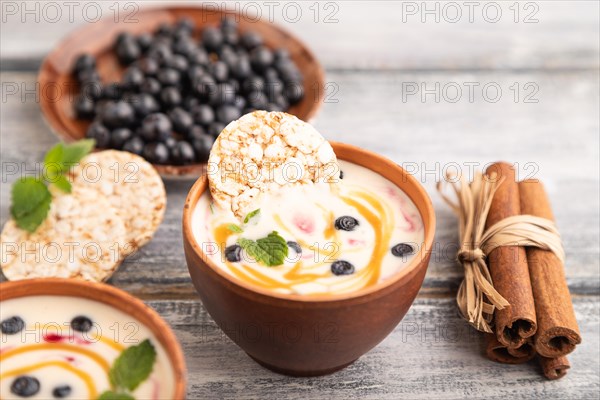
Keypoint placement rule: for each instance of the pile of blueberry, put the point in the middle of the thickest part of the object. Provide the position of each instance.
(178, 93)
(26, 385)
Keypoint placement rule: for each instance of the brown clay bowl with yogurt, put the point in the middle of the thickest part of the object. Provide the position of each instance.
(311, 334)
(61, 338)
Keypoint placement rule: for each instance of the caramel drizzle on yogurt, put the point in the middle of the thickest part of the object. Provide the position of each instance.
(380, 218)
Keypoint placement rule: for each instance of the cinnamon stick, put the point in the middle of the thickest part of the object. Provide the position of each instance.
(558, 332)
(555, 368)
(498, 352)
(508, 265)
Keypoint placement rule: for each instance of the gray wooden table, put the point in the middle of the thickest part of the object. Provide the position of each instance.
(394, 74)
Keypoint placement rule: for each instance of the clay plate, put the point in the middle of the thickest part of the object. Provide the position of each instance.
(113, 297)
(58, 88)
(311, 335)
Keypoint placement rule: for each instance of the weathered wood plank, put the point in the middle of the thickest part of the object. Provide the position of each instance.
(431, 354)
(366, 34)
(559, 134)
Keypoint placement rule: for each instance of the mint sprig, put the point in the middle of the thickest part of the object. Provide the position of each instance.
(133, 366)
(251, 215)
(30, 195)
(235, 228)
(270, 250)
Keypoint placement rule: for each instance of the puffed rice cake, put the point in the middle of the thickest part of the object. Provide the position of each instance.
(263, 151)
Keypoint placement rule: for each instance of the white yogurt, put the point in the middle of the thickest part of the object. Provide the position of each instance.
(49, 350)
(306, 215)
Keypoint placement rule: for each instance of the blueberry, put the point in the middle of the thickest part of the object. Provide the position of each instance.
(346, 223)
(112, 91)
(84, 62)
(164, 29)
(81, 323)
(281, 54)
(295, 246)
(274, 88)
(341, 174)
(12, 325)
(161, 52)
(215, 128)
(169, 77)
(257, 100)
(198, 57)
(195, 73)
(117, 114)
(149, 66)
(183, 153)
(170, 142)
(231, 37)
(119, 136)
(156, 127)
(241, 68)
(88, 75)
(124, 37)
(202, 146)
(212, 38)
(196, 132)
(233, 253)
(134, 145)
(144, 41)
(128, 51)
(204, 86)
(239, 102)
(91, 90)
(261, 58)
(25, 386)
(151, 86)
(272, 107)
(185, 25)
(281, 102)
(182, 120)
(61, 392)
(228, 23)
(170, 97)
(341, 267)
(144, 104)
(84, 107)
(100, 133)
(224, 93)
(402, 249)
(185, 47)
(251, 40)
(156, 153)
(227, 113)
(179, 63)
(228, 55)
(133, 78)
(294, 93)
(253, 84)
(219, 71)
(203, 114)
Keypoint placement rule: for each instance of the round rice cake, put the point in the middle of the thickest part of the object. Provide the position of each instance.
(263, 151)
(131, 186)
(82, 237)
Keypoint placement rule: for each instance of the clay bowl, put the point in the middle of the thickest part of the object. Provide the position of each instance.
(317, 335)
(113, 297)
(58, 88)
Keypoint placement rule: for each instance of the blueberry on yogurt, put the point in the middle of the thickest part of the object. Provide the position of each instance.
(60, 392)
(346, 223)
(342, 267)
(25, 386)
(233, 253)
(402, 249)
(81, 324)
(295, 246)
(12, 325)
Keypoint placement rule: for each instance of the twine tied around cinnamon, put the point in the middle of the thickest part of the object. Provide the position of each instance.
(477, 298)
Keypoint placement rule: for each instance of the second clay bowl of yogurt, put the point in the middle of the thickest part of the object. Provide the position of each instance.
(355, 263)
(62, 338)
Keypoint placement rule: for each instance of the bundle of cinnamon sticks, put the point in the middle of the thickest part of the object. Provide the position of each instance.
(540, 319)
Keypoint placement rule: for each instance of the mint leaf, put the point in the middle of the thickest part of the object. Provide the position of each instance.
(110, 395)
(235, 228)
(62, 183)
(30, 203)
(75, 151)
(270, 251)
(251, 215)
(133, 366)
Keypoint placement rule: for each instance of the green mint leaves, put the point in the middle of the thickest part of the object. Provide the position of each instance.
(131, 368)
(270, 251)
(30, 203)
(251, 215)
(235, 228)
(30, 195)
(110, 395)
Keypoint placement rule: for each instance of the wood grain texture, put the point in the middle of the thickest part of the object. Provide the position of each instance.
(392, 34)
(431, 354)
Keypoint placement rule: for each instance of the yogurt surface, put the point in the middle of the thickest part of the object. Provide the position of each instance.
(333, 257)
(51, 349)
